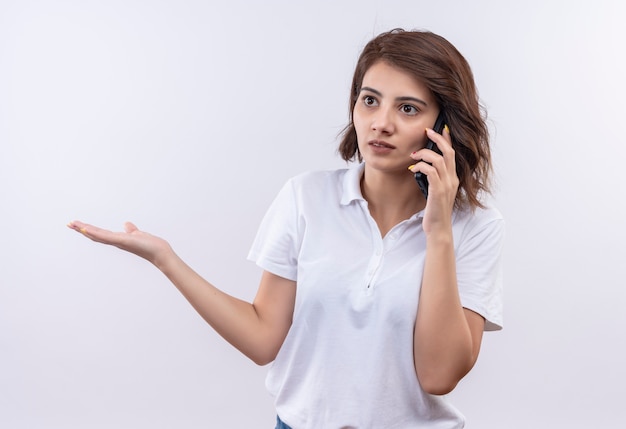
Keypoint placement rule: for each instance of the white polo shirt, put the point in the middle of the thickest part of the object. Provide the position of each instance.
(347, 361)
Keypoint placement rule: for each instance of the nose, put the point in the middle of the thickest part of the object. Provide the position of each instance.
(382, 121)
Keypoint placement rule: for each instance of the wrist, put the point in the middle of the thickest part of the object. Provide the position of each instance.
(164, 258)
(440, 237)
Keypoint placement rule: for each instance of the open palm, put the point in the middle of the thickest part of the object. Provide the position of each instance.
(148, 246)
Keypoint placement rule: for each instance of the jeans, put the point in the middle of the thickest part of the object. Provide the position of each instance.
(280, 424)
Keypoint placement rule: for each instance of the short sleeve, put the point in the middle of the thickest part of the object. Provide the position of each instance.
(276, 245)
(479, 271)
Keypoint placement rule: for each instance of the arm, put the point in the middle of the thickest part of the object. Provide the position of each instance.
(447, 336)
(257, 329)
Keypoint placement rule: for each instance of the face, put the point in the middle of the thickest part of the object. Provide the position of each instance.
(390, 117)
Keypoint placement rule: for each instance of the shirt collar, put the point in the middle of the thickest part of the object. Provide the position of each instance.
(352, 188)
(352, 185)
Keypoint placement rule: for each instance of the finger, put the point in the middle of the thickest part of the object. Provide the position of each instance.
(77, 225)
(426, 155)
(82, 227)
(444, 144)
(443, 140)
(427, 169)
(96, 234)
(430, 158)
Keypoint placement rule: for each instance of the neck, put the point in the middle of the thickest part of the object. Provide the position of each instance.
(391, 198)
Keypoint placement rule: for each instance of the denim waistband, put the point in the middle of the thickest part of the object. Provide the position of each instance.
(280, 424)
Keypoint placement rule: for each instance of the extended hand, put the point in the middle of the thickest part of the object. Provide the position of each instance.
(132, 240)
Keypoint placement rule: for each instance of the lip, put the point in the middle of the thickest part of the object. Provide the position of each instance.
(381, 144)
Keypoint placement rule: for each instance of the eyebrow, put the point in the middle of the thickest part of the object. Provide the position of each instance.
(406, 98)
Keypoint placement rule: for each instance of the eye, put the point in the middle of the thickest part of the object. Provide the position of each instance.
(370, 101)
(409, 110)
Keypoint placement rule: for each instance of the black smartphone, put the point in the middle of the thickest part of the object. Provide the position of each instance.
(421, 178)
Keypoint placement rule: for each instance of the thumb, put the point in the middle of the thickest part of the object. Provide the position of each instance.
(130, 227)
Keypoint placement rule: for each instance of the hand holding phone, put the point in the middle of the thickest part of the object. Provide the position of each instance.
(420, 177)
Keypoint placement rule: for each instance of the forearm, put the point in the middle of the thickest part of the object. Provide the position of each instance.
(235, 320)
(444, 350)
(257, 329)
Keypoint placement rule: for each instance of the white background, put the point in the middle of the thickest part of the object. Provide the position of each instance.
(187, 116)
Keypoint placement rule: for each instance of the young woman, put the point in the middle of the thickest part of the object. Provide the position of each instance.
(374, 297)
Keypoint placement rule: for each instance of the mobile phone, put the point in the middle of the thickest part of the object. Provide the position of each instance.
(420, 177)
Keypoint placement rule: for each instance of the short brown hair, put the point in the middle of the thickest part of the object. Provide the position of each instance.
(440, 66)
